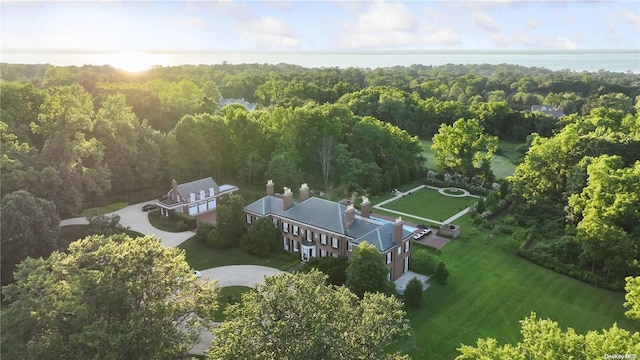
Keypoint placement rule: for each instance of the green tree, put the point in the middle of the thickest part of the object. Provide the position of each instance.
(543, 339)
(375, 187)
(297, 316)
(105, 225)
(633, 297)
(263, 238)
(230, 219)
(367, 271)
(413, 292)
(459, 148)
(106, 298)
(441, 274)
(30, 228)
(334, 267)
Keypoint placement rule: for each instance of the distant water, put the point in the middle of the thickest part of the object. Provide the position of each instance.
(575, 60)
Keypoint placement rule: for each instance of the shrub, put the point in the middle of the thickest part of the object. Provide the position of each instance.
(480, 208)
(203, 230)
(422, 262)
(441, 274)
(413, 292)
(189, 221)
(217, 241)
(334, 267)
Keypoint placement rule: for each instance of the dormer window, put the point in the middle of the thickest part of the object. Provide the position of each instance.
(192, 197)
(212, 192)
(202, 194)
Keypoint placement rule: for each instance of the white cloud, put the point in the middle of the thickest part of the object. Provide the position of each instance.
(535, 42)
(395, 39)
(385, 17)
(269, 32)
(485, 22)
(631, 17)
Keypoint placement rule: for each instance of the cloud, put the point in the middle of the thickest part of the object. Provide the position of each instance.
(631, 17)
(485, 22)
(385, 17)
(269, 32)
(532, 24)
(394, 39)
(534, 42)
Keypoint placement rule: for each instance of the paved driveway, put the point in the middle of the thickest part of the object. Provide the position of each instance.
(240, 275)
(138, 220)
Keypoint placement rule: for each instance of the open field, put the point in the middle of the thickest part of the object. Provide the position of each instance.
(500, 165)
(490, 289)
(430, 204)
(202, 256)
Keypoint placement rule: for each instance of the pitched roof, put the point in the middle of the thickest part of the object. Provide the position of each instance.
(195, 186)
(328, 215)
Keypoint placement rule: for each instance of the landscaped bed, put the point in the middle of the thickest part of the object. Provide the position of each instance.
(430, 204)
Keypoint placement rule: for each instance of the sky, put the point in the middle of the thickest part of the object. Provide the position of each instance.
(335, 25)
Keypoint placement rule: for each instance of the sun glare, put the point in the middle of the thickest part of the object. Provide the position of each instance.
(131, 61)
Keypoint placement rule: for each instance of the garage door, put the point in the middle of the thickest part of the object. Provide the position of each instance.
(193, 209)
(202, 207)
(212, 204)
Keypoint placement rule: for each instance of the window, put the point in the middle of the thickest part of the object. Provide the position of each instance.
(389, 257)
(275, 222)
(248, 219)
(202, 194)
(323, 239)
(211, 192)
(285, 227)
(334, 243)
(350, 246)
(296, 246)
(296, 230)
(334, 255)
(406, 246)
(309, 235)
(323, 252)
(399, 250)
(285, 242)
(192, 197)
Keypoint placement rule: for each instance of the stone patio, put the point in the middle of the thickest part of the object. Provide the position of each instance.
(402, 281)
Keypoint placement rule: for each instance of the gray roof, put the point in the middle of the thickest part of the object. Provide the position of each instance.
(328, 215)
(195, 186)
(549, 110)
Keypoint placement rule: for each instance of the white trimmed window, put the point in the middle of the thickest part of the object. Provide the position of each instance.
(309, 235)
(248, 219)
(285, 243)
(323, 252)
(211, 192)
(399, 250)
(334, 243)
(296, 230)
(334, 255)
(275, 222)
(202, 194)
(389, 276)
(296, 246)
(323, 239)
(389, 257)
(350, 246)
(406, 246)
(285, 227)
(192, 197)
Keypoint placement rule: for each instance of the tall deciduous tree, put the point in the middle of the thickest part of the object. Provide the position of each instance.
(107, 298)
(461, 147)
(262, 238)
(297, 316)
(30, 228)
(367, 271)
(230, 219)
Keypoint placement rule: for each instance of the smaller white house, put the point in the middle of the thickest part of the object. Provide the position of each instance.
(195, 197)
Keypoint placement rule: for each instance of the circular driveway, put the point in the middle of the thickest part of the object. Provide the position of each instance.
(240, 275)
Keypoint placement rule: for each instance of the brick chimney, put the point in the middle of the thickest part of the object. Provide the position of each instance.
(304, 192)
(397, 231)
(365, 207)
(287, 199)
(270, 187)
(349, 215)
(174, 190)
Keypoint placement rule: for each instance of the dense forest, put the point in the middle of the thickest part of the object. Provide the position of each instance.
(84, 136)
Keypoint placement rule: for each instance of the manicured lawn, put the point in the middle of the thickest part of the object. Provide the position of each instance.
(490, 289)
(229, 295)
(103, 209)
(202, 256)
(430, 204)
(501, 165)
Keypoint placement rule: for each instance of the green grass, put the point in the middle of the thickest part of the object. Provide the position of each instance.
(502, 166)
(228, 295)
(509, 150)
(202, 256)
(430, 204)
(490, 289)
(103, 209)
